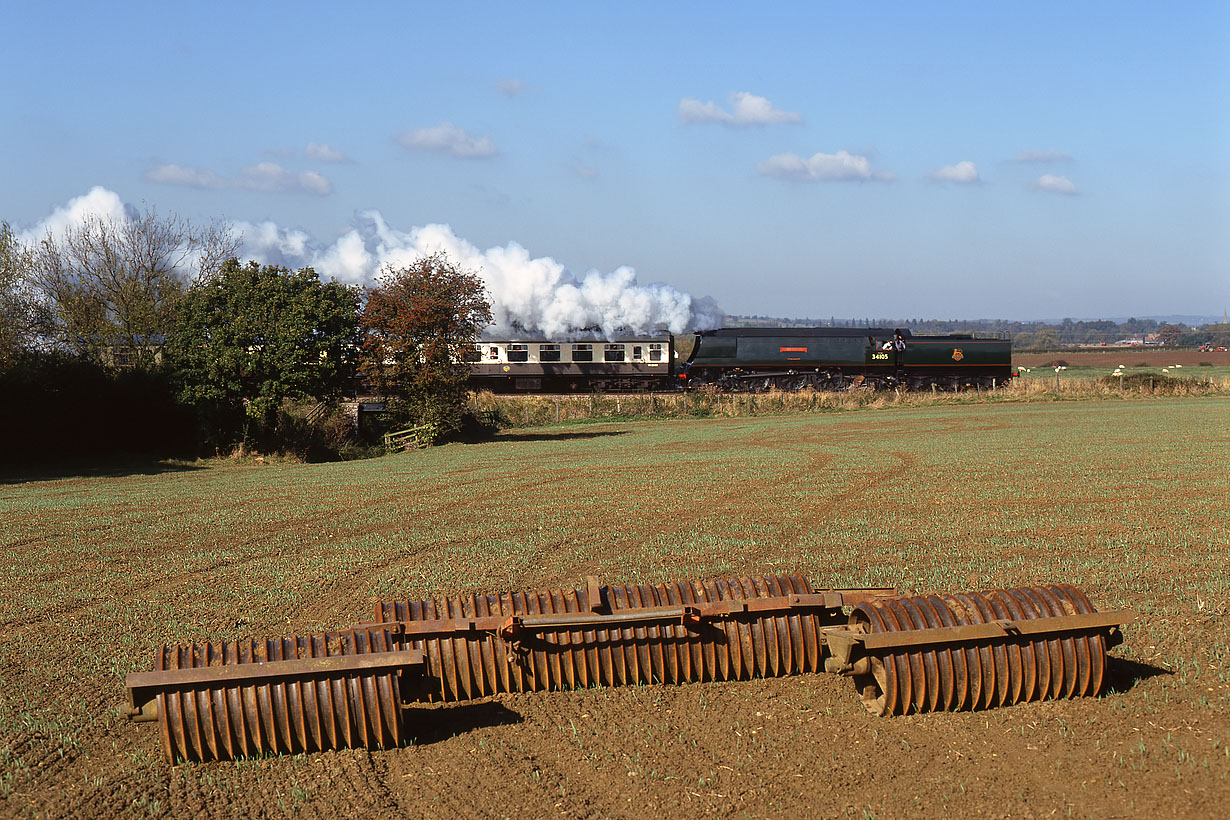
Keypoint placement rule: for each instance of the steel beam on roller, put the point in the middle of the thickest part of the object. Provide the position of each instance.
(853, 596)
(144, 687)
(478, 628)
(509, 626)
(840, 640)
(688, 616)
(646, 615)
(719, 629)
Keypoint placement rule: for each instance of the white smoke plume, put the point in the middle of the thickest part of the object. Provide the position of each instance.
(530, 296)
(102, 207)
(98, 203)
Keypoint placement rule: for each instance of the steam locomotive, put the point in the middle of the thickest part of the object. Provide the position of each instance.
(750, 359)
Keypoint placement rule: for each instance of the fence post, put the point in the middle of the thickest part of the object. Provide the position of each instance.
(557, 411)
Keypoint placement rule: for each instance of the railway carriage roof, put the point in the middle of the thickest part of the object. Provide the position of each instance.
(807, 331)
(588, 340)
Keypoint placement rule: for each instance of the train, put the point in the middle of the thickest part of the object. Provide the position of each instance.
(745, 359)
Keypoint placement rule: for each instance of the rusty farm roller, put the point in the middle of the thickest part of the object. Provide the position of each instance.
(346, 689)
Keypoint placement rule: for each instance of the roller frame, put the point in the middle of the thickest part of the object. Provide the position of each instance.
(845, 645)
(644, 634)
(692, 615)
(145, 687)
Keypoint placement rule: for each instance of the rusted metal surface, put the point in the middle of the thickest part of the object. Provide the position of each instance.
(906, 654)
(724, 629)
(218, 701)
(974, 650)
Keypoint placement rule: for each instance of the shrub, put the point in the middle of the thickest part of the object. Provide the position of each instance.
(419, 320)
(311, 432)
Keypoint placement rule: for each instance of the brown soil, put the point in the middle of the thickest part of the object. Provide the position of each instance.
(796, 747)
(1127, 356)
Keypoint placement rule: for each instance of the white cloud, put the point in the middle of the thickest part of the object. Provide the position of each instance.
(98, 202)
(448, 139)
(1042, 156)
(269, 176)
(1052, 184)
(963, 173)
(264, 176)
(179, 175)
(840, 167)
(322, 152)
(510, 87)
(746, 109)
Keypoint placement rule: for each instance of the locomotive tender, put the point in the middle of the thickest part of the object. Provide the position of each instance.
(749, 359)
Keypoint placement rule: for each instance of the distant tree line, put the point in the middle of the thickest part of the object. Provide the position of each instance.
(1030, 335)
(148, 335)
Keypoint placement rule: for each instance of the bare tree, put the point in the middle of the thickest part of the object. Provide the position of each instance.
(113, 284)
(24, 319)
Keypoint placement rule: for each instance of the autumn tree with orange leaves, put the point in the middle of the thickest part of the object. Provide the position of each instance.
(418, 323)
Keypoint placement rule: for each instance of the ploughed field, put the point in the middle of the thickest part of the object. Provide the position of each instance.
(1125, 500)
(1128, 357)
(1093, 363)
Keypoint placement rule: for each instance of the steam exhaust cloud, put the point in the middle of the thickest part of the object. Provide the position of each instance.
(531, 296)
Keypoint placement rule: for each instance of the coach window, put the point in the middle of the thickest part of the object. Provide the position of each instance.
(548, 353)
(655, 352)
(493, 353)
(613, 353)
(582, 353)
(472, 354)
(638, 354)
(518, 353)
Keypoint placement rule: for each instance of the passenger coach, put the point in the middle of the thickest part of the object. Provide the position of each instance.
(628, 364)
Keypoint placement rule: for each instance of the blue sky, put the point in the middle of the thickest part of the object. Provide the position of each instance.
(1005, 160)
